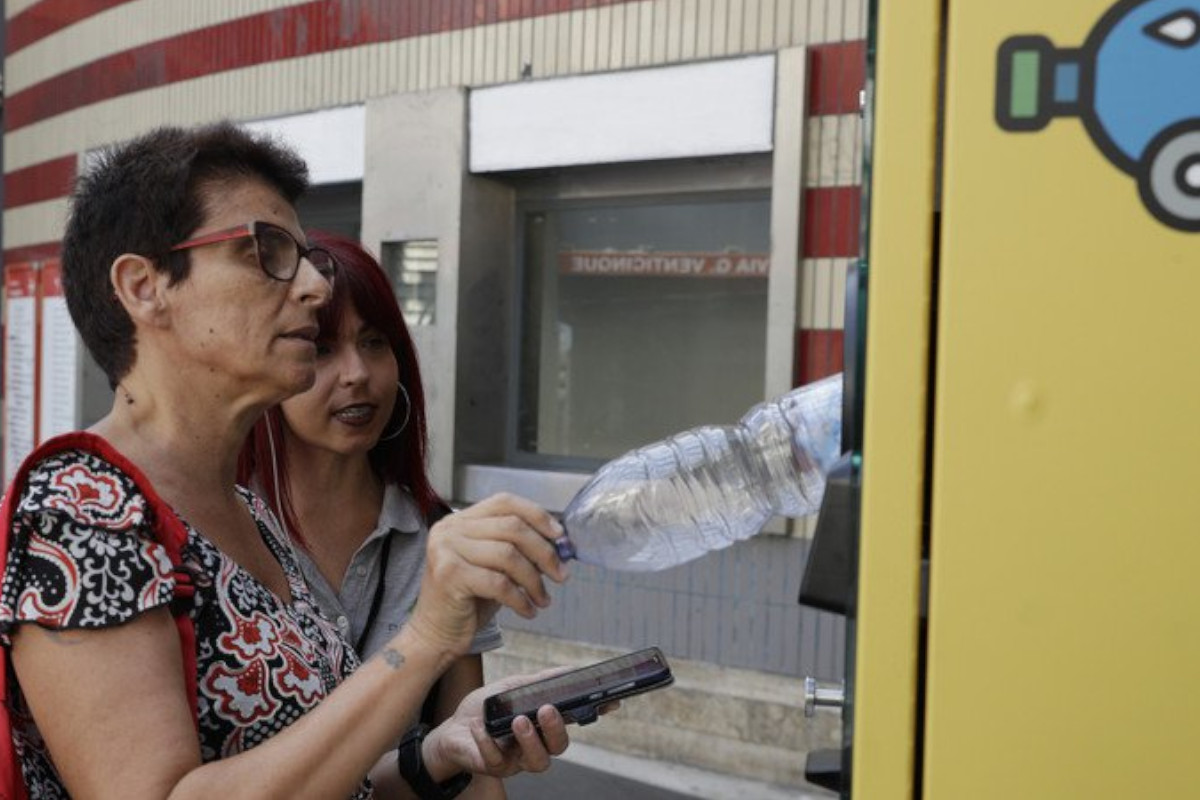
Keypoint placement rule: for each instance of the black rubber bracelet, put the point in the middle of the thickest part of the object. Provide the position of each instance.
(412, 769)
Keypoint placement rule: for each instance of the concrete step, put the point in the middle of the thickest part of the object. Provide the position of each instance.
(598, 774)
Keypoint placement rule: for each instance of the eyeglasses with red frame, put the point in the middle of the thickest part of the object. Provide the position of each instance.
(277, 250)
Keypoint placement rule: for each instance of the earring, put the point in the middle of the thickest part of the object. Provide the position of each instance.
(407, 412)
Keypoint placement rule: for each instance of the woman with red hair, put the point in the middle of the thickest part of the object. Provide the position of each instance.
(344, 467)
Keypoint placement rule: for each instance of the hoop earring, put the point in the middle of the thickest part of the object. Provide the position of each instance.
(407, 413)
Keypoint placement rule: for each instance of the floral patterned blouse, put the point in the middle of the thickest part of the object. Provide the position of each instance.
(81, 556)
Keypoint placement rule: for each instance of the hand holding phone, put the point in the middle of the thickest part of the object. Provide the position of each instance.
(579, 694)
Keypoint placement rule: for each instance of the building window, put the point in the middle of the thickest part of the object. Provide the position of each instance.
(641, 317)
(332, 207)
(412, 268)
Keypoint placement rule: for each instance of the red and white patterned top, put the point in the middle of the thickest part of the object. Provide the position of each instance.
(81, 556)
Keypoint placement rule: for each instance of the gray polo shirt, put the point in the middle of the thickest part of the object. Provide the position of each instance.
(400, 519)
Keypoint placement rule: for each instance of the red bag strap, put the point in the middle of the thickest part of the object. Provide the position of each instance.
(168, 530)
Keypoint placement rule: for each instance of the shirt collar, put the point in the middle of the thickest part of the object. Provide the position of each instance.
(399, 511)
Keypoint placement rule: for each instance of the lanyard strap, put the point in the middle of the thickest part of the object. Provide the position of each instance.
(377, 600)
(429, 707)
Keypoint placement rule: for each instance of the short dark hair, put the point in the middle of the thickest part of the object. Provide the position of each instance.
(144, 196)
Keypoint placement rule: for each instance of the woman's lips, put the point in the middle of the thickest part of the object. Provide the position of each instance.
(305, 333)
(357, 414)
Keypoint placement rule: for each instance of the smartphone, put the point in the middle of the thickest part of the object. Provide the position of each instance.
(578, 694)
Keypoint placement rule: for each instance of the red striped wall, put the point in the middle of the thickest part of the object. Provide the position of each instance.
(49, 16)
(831, 221)
(836, 75)
(818, 354)
(45, 181)
(292, 32)
(32, 252)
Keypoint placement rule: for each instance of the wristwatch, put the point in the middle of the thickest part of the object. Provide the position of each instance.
(412, 769)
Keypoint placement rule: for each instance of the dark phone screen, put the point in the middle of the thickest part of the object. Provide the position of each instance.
(578, 683)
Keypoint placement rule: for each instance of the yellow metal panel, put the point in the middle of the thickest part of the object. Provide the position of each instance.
(1065, 607)
(896, 376)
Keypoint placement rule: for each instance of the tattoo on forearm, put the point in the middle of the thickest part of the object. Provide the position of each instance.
(392, 657)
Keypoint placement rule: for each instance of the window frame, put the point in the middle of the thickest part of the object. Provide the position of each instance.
(714, 180)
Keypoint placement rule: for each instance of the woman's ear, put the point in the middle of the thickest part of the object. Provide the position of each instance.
(139, 287)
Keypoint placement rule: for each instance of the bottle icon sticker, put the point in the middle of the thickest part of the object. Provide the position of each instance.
(1135, 84)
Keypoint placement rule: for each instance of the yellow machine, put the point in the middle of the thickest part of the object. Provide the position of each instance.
(1021, 509)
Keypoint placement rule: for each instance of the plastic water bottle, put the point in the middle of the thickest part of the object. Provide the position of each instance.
(701, 490)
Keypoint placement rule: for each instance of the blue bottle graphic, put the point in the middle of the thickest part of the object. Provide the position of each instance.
(1135, 84)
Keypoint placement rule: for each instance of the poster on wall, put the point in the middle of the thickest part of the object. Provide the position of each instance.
(20, 364)
(58, 359)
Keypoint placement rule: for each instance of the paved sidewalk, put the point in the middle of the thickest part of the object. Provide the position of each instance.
(589, 772)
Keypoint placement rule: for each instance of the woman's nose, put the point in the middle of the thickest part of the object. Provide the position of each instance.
(310, 286)
(351, 369)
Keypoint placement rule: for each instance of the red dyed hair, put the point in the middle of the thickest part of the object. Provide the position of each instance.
(361, 284)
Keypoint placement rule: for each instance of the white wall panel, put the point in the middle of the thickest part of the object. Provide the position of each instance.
(823, 292)
(835, 20)
(700, 109)
(787, 216)
(834, 157)
(331, 141)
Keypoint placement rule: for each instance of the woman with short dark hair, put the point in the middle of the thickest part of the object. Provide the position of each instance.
(194, 287)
